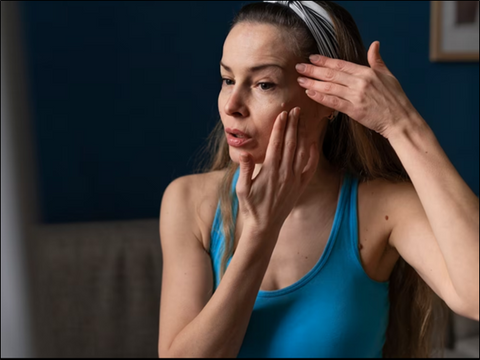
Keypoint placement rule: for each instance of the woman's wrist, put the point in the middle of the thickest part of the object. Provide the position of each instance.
(258, 243)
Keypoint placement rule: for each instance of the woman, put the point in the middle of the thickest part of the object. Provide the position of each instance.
(325, 233)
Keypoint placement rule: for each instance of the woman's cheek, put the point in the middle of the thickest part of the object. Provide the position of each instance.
(266, 133)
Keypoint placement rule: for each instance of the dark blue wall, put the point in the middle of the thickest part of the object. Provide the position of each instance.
(125, 93)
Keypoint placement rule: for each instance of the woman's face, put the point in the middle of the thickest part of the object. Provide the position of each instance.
(251, 99)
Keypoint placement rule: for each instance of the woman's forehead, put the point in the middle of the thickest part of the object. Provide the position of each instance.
(256, 44)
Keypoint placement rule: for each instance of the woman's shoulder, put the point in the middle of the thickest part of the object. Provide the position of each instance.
(386, 190)
(202, 186)
(383, 199)
(202, 198)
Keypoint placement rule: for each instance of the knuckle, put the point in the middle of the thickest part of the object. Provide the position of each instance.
(330, 74)
(340, 65)
(302, 155)
(291, 145)
(283, 177)
(277, 145)
(364, 84)
(370, 76)
(361, 99)
(328, 87)
(335, 101)
(360, 113)
(287, 177)
(364, 109)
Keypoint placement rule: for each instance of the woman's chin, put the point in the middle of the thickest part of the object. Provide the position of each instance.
(235, 157)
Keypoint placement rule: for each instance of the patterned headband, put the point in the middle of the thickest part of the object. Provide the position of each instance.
(319, 22)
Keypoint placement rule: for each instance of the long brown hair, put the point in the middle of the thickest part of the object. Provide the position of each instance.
(415, 310)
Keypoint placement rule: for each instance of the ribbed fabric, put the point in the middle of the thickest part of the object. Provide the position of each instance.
(335, 310)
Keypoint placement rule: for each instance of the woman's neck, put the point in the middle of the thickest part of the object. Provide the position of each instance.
(324, 184)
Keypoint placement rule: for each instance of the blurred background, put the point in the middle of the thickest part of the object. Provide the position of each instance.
(104, 104)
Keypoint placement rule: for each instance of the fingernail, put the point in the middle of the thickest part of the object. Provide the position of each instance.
(301, 67)
(314, 58)
(311, 93)
(301, 80)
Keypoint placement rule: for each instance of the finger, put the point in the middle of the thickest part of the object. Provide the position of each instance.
(328, 74)
(275, 144)
(343, 66)
(328, 88)
(244, 183)
(301, 155)
(333, 102)
(375, 58)
(290, 146)
(311, 167)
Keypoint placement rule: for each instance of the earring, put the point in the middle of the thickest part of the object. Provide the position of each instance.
(333, 116)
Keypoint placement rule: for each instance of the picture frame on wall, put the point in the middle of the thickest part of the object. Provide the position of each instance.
(454, 31)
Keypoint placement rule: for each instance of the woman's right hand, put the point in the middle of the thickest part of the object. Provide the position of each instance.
(290, 163)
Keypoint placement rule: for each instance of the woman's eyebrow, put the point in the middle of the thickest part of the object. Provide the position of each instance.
(255, 68)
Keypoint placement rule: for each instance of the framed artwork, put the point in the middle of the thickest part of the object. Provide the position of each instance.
(454, 31)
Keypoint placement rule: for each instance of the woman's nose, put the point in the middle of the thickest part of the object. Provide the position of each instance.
(235, 105)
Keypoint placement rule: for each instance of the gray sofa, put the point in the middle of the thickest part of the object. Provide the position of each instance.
(97, 289)
(97, 292)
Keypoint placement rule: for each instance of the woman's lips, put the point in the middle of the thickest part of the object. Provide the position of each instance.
(237, 142)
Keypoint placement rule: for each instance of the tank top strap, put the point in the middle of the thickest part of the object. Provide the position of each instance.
(217, 238)
(234, 193)
(350, 216)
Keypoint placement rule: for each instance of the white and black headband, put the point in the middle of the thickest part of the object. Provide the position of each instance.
(319, 23)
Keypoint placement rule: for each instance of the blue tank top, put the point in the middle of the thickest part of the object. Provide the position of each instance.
(335, 310)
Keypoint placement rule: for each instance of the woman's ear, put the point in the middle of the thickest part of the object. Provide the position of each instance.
(322, 112)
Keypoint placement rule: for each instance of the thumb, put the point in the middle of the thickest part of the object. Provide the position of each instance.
(374, 58)
(247, 166)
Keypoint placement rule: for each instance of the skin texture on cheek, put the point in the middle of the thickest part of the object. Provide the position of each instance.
(283, 104)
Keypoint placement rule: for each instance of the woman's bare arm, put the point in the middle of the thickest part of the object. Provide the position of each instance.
(193, 322)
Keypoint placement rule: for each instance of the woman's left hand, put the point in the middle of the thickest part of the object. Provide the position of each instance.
(370, 95)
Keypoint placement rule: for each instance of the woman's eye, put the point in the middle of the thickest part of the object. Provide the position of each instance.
(227, 81)
(266, 86)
